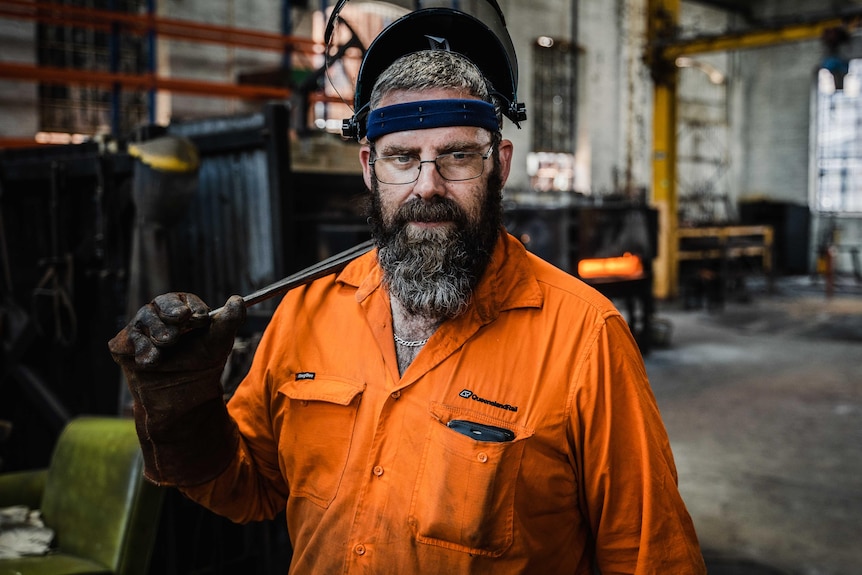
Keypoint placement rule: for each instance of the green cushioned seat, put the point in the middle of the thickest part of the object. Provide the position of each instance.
(103, 513)
(55, 563)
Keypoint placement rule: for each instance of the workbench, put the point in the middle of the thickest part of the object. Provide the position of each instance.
(712, 261)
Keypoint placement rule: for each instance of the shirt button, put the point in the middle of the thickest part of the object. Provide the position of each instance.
(482, 457)
(396, 394)
(378, 471)
(359, 549)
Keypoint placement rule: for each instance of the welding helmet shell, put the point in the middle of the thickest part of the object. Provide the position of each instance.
(485, 42)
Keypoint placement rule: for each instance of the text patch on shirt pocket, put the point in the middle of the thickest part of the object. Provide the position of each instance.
(465, 492)
(317, 427)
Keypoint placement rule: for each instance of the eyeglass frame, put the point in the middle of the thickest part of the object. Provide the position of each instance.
(484, 157)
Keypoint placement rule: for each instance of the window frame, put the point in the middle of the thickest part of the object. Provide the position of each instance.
(837, 146)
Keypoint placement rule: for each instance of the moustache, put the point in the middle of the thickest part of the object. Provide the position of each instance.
(430, 211)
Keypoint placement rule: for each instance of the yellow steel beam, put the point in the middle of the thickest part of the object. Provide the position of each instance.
(750, 39)
(663, 18)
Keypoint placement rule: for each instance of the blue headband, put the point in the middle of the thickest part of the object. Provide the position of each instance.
(431, 114)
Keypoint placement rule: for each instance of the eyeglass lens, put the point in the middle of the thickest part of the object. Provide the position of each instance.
(455, 166)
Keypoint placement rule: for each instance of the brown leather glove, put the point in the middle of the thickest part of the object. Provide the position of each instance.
(173, 355)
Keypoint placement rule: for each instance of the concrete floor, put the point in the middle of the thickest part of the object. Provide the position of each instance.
(763, 405)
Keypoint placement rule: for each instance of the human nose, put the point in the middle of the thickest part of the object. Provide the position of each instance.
(430, 182)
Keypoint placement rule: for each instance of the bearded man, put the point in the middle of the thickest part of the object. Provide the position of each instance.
(448, 403)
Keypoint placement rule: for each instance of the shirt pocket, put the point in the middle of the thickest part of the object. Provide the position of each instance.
(464, 497)
(316, 433)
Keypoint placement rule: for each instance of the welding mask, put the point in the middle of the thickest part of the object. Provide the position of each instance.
(476, 30)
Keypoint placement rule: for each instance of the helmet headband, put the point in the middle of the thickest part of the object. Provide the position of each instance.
(431, 114)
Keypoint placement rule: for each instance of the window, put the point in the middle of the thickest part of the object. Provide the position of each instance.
(554, 86)
(838, 187)
(84, 109)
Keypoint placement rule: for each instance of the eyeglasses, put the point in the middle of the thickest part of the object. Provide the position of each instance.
(452, 167)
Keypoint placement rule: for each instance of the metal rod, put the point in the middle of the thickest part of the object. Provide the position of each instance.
(135, 23)
(308, 275)
(70, 76)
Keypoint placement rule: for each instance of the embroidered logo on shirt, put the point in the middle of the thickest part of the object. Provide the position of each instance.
(305, 375)
(467, 394)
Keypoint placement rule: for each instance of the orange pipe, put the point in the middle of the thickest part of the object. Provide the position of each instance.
(62, 15)
(318, 97)
(18, 142)
(52, 75)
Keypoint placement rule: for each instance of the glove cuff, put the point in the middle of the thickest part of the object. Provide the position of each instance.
(187, 436)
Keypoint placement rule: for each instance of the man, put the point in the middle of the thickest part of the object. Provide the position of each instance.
(448, 403)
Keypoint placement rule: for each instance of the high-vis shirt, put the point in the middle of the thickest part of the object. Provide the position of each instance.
(374, 476)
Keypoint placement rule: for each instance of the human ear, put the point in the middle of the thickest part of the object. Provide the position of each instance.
(364, 157)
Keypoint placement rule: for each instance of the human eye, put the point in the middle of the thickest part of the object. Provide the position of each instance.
(398, 161)
(459, 157)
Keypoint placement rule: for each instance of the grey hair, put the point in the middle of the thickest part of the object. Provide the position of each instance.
(429, 69)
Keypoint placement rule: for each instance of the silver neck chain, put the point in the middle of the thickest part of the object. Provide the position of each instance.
(405, 343)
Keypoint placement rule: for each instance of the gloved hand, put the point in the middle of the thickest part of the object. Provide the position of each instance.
(173, 355)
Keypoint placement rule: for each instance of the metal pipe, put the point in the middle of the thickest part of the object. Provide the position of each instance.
(151, 61)
(286, 29)
(72, 76)
(328, 266)
(114, 67)
(64, 15)
(574, 37)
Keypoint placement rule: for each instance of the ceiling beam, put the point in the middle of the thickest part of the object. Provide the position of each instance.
(807, 28)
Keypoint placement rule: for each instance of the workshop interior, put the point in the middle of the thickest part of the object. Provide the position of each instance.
(699, 162)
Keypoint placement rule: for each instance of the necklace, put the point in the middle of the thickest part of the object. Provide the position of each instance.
(405, 343)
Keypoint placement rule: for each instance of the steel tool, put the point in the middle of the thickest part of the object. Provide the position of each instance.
(302, 277)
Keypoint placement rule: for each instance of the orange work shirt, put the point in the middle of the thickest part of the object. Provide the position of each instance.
(372, 479)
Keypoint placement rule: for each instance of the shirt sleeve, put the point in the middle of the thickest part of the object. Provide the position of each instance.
(627, 474)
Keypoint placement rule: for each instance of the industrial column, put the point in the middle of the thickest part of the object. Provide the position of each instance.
(663, 18)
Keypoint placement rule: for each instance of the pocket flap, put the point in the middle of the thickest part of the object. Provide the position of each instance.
(328, 389)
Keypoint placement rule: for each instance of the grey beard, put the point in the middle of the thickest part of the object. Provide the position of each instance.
(433, 272)
(431, 277)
